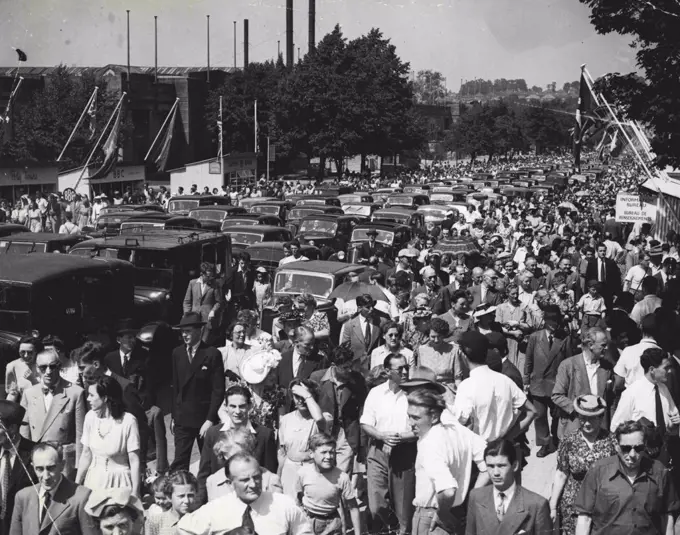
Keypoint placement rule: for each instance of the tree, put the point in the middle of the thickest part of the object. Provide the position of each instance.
(429, 87)
(654, 27)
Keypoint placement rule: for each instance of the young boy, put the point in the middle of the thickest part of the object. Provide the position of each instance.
(592, 306)
(322, 489)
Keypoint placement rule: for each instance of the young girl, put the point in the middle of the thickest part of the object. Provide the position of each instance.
(161, 501)
(322, 490)
(592, 306)
(181, 489)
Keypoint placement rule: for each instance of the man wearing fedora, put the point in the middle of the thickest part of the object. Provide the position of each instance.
(364, 331)
(368, 249)
(15, 460)
(197, 389)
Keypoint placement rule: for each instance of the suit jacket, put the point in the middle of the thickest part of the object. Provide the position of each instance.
(612, 274)
(492, 297)
(197, 386)
(136, 364)
(242, 286)
(344, 404)
(353, 333)
(527, 513)
(572, 382)
(66, 516)
(18, 480)
(439, 301)
(62, 423)
(308, 365)
(615, 228)
(673, 381)
(212, 300)
(366, 251)
(265, 453)
(573, 281)
(541, 361)
(511, 372)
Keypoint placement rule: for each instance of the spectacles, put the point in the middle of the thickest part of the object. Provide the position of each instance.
(53, 367)
(638, 448)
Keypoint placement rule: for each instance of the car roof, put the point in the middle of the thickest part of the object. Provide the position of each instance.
(151, 239)
(277, 245)
(381, 225)
(323, 266)
(255, 229)
(395, 210)
(37, 267)
(196, 197)
(329, 217)
(40, 237)
(219, 207)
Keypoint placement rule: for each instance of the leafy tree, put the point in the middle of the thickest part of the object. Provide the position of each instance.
(654, 27)
(429, 87)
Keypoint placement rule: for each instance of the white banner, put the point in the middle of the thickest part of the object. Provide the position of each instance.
(634, 208)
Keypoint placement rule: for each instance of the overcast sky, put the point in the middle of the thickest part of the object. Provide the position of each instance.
(539, 40)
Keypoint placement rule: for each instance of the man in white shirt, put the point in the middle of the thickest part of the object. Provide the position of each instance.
(649, 303)
(633, 281)
(295, 256)
(248, 506)
(489, 402)
(443, 464)
(628, 368)
(390, 463)
(649, 396)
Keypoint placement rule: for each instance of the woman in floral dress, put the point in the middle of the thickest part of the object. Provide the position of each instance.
(315, 320)
(577, 453)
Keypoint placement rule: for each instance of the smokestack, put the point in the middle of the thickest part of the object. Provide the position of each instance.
(245, 43)
(312, 25)
(290, 49)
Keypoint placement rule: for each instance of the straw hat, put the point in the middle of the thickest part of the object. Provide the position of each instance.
(589, 405)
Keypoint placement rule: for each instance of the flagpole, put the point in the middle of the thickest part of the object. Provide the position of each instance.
(167, 118)
(268, 156)
(11, 96)
(207, 38)
(89, 158)
(255, 129)
(80, 121)
(221, 145)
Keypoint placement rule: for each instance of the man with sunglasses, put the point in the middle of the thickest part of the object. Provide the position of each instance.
(628, 493)
(55, 410)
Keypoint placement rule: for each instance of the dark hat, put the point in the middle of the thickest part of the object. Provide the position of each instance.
(190, 319)
(422, 312)
(126, 326)
(475, 342)
(422, 376)
(372, 232)
(497, 341)
(494, 360)
(589, 405)
(11, 413)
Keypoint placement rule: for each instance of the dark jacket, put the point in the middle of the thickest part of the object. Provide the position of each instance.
(612, 282)
(197, 386)
(284, 371)
(265, 453)
(19, 479)
(439, 301)
(492, 297)
(542, 361)
(365, 250)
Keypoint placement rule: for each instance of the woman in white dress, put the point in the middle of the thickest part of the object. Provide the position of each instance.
(110, 457)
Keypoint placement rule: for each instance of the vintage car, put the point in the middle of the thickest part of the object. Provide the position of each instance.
(333, 191)
(364, 209)
(183, 204)
(211, 217)
(514, 191)
(131, 208)
(297, 214)
(249, 201)
(448, 196)
(248, 220)
(401, 215)
(354, 198)
(407, 200)
(7, 229)
(328, 230)
(318, 200)
(165, 261)
(423, 189)
(278, 208)
(381, 195)
(110, 222)
(434, 214)
(391, 237)
(268, 254)
(242, 237)
(316, 277)
(70, 297)
(151, 220)
(38, 242)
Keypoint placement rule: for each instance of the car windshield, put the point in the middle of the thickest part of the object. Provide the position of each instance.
(155, 278)
(312, 202)
(208, 215)
(297, 282)
(264, 209)
(322, 227)
(135, 226)
(183, 205)
(384, 236)
(357, 210)
(400, 201)
(245, 238)
(240, 222)
(299, 213)
(108, 222)
(441, 197)
(10, 247)
(435, 215)
(396, 218)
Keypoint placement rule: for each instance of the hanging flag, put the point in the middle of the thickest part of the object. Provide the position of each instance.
(92, 114)
(21, 55)
(110, 149)
(257, 144)
(586, 105)
(219, 132)
(161, 151)
(5, 118)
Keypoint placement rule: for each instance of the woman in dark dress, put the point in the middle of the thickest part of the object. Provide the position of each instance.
(577, 453)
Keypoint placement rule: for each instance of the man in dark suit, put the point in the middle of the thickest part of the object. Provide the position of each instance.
(573, 380)
(299, 361)
(197, 389)
(613, 227)
(127, 360)
(205, 296)
(546, 349)
(485, 292)
(57, 505)
(238, 404)
(15, 458)
(364, 332)
(439, 298)
(505, 507)
(572, 275)
(605, 271)
(368, 249)
(240, 293)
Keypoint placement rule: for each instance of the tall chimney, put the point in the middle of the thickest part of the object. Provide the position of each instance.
(290, 50)
(245, 43)
(312, 25)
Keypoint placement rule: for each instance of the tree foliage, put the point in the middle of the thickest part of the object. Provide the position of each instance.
(429, 87)
(654, 27)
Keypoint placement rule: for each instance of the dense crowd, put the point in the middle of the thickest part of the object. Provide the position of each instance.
(413, 419)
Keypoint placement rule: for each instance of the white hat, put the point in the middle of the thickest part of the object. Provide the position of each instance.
(483, 311)
(428, 272)
(261, 270)
(255, 367)
(103, 196)
(407, 252)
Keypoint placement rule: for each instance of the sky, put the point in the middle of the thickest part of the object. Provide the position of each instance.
(542, 41)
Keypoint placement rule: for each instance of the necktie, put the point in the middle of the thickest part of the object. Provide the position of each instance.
(500, 512)
(126, 360)
(46, 501)
(247, 520)
(367, 335)
(190, 354)
(601, 270)
(47, 391)
(551, 339)
(660, 420)
(4, 482)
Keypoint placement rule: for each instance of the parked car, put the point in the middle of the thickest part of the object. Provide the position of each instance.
(391, 236)
(7, 229)
(268, 254)
(318, 200)
(434, 214)
(183, 204)
(139, 223)
(399, 214)
(250, 201)
(38, 242)
(211, 217)
(354, 198)
(242, 237)
(248, 220)
(328, 230)
(297, 214)
(407, 200)
(364, 209)
(151, 207)
(278, 208)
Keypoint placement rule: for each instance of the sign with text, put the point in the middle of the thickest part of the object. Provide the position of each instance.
(635, 208)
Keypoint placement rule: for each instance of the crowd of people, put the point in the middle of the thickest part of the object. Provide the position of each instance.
(404, 409)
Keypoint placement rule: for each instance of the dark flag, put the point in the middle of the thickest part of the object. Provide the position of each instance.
(110, 149)
(160, 151)
(586, 105)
